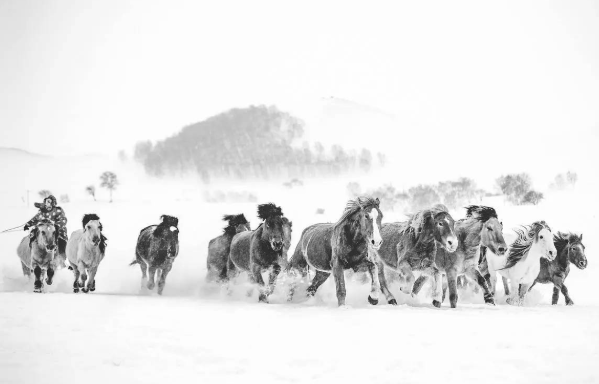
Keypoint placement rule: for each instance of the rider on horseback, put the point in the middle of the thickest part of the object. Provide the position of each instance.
(50, 211)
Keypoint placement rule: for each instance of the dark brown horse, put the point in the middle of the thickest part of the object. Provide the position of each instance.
(156, 250)
(262, 249)
(219, 247)
(569, 250)
(480, 227)
(412, 246)
(333, 248)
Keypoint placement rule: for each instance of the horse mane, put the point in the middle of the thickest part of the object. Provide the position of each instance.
(268, 210)
(166, 223)
(480, 212)
(234, 221)
(522, 244)
(562, 239)
(415, 223)
(89, 217)
(353, 206)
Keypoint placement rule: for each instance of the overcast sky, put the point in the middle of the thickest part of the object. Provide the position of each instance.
(86, 77)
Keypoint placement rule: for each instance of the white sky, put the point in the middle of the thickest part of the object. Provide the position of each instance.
(87, 77)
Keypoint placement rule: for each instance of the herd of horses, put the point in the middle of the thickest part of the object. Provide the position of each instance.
(430, 245)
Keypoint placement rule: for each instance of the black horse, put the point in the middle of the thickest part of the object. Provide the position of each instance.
(219, 247)
(156, 250)
(412, 246)
(569, 250)
(480, 227)
(336, 247)
(260, 250)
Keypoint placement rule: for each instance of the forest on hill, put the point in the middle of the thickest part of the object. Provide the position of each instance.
(257, 141)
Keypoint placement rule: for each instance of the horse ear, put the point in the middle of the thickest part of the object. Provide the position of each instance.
(378, 202)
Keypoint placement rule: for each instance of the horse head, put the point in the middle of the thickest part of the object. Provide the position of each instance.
(444, 231)
(492, 229)
(576, 250)
(543, 240)
(371, 218)
(46, 235)
(272, 230)
(92, 228)
(168, 234)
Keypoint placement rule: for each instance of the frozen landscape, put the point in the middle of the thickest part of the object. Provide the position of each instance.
(120, 333)
(203, 109)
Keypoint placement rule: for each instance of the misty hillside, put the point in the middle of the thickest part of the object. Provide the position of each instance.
(257, 141)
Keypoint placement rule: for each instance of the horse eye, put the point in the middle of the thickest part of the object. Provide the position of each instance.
(541, 236)
(89, 227)
(489, 228)
(440, 224)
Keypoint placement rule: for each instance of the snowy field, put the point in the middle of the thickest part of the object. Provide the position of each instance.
(198, 332)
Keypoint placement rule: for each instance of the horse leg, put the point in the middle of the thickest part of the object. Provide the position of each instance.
(339, 281)
(515, 289)
(319, 278)
(452, 285)
(419, 284)
(558, 282)
(26, 270)
(37, 284)
(162, 280)
(151, 272)
(373, 298)
(144, 273)
(475, 275)
(383, 284)
(256, 272)
(272, 278)
(566, 295)
(76, 282)
(506, 286)
(49, 275)
(405, 273)
(522, 292)
(83, 276)
(492, 282)
(91, 282)
(437, 286)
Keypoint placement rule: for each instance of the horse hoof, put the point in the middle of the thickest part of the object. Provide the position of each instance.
(49, 282)
(392, 302)
(92, 289)
(85, 290)
(373, 301)
(76, 290)
(437, 303)
(570, 303)
(70, 268)
(263, 299)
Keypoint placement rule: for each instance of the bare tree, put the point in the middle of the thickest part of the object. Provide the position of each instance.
(109, 181)
(91, 190)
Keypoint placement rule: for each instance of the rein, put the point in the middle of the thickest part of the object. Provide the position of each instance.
(15, 229)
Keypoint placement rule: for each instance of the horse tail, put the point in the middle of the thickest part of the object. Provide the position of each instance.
(134, 262)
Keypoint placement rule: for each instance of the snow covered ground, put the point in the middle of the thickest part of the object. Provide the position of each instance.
(199, 332)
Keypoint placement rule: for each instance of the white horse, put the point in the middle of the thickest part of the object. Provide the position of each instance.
(85, 251)
(521, 265)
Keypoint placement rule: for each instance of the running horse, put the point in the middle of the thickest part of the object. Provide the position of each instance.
(412, 246)
(264, 249)
(480, 227)
(219, 247)
(333, 248)
(38, 253)
(85, 250)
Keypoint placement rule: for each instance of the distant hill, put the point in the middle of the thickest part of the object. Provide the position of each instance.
(257, 141)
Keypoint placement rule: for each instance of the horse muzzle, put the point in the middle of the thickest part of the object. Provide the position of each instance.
(276, 245)
(451, 244)
(582, 264)
(551, 255)
(376, 245)
(51, 247)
